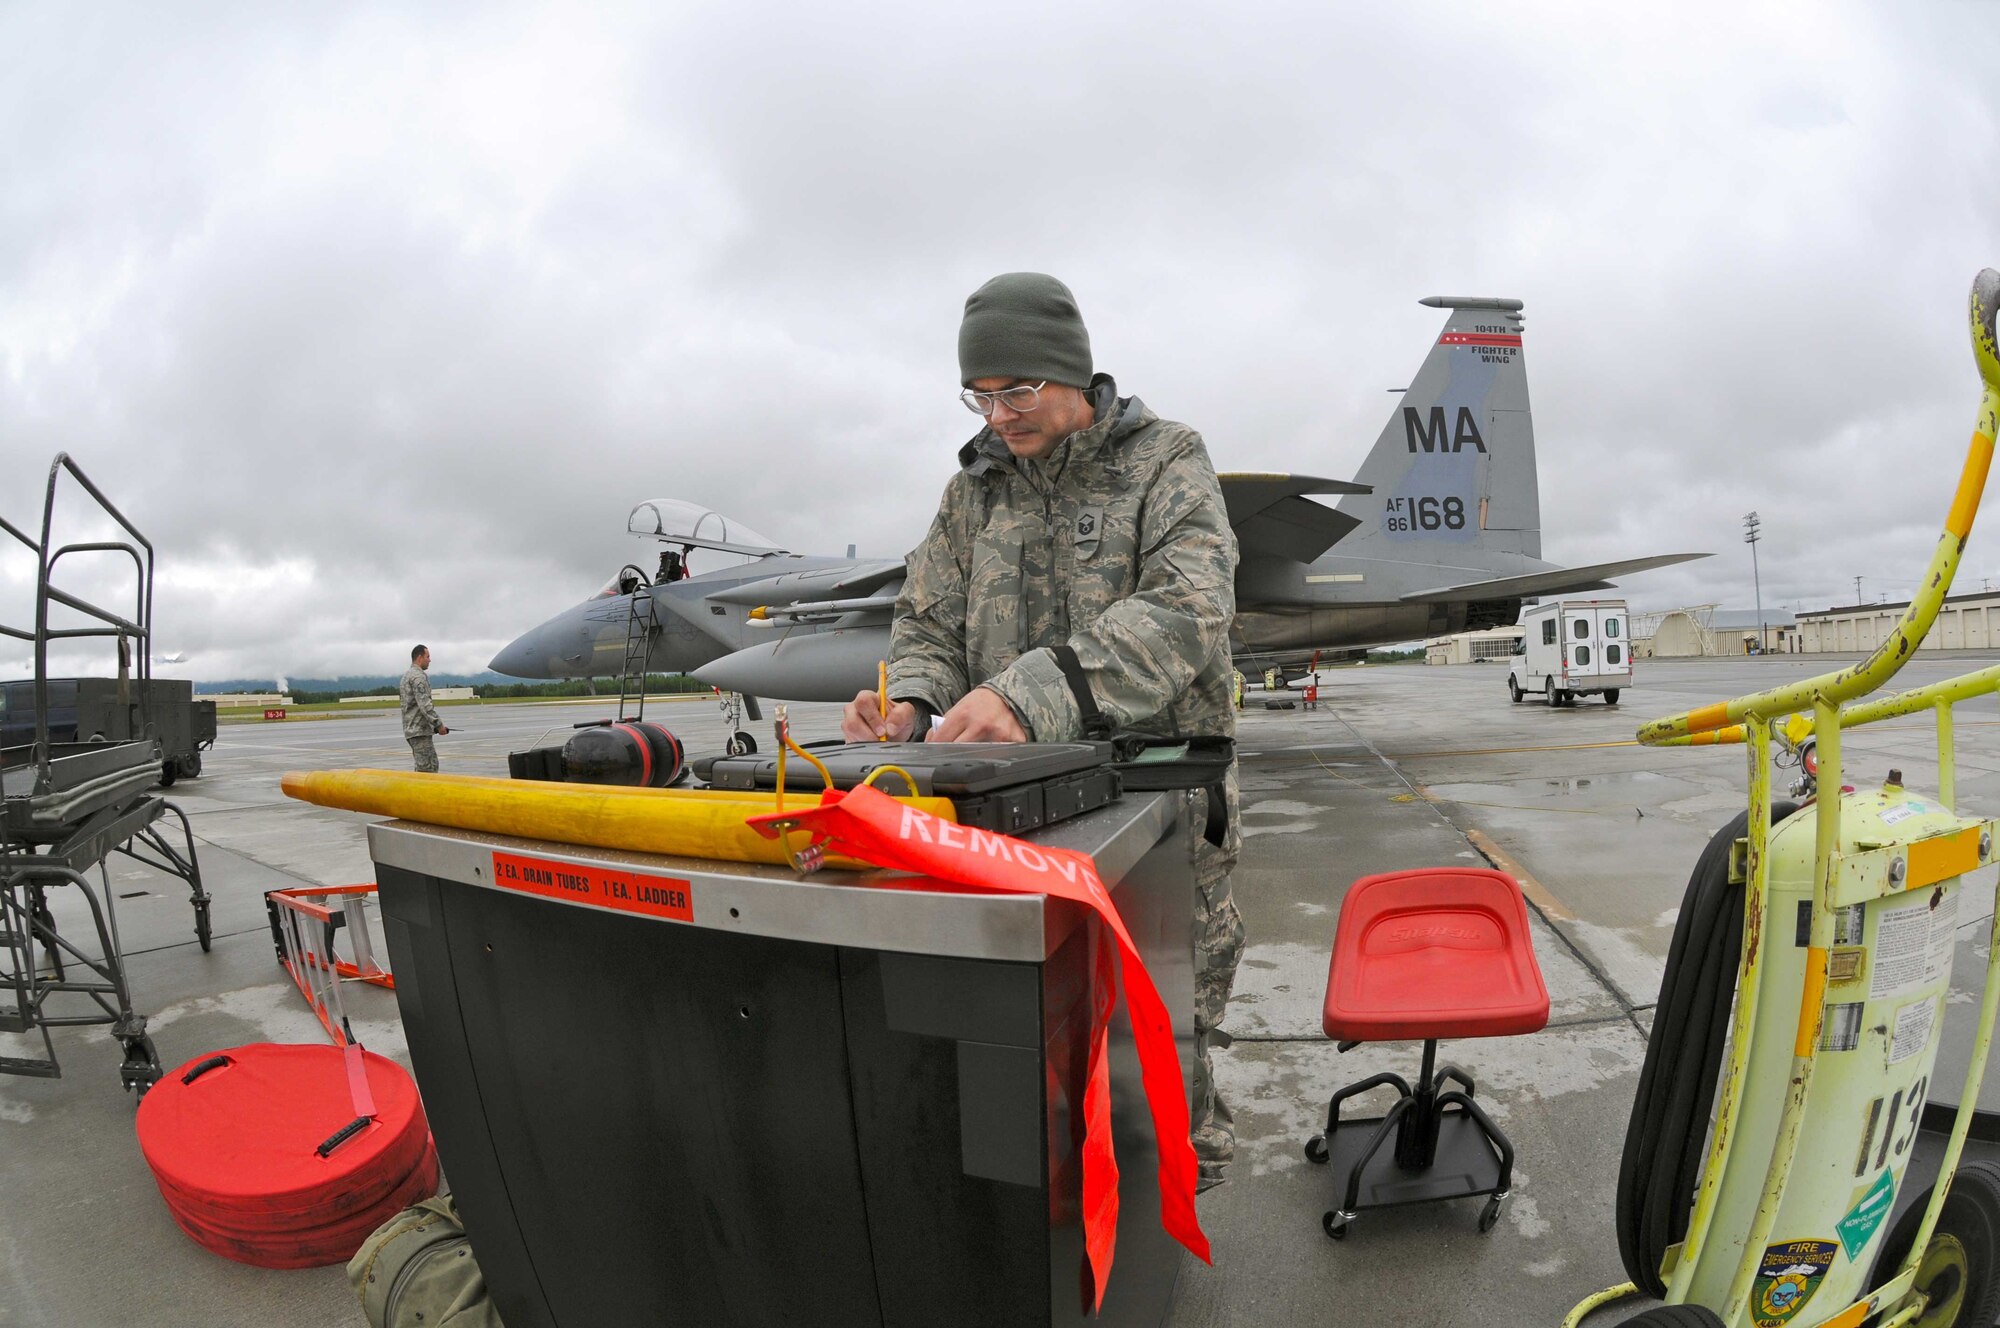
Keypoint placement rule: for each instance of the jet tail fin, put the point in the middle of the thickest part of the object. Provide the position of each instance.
(1454, 468)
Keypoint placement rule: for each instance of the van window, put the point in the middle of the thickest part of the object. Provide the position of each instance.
(1581, 628)
(1611, 627)
(1548, 631)
(1582, 656)
(1613, 655)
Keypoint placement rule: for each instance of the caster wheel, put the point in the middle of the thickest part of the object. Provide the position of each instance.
(202, 931)
(1489, 1215)
(141, 1069)
(1316, 1151)
(1335, 1226)
(740, 744)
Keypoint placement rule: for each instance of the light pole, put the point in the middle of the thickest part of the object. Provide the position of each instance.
(1751, 525)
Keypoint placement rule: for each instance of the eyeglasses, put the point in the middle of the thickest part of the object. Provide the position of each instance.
(1020, 399)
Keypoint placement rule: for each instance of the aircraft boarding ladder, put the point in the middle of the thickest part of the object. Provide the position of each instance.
(642, 628)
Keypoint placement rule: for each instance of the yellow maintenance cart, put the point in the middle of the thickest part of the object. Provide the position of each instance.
(1800, 1013)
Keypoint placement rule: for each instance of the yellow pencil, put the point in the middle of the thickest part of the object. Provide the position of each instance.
(882, 699)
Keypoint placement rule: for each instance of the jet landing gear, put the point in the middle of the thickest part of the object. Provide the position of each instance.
(734, 706)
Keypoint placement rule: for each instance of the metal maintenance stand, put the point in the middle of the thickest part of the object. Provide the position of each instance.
(65, 807)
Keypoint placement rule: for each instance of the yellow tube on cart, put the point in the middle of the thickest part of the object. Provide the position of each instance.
(688, 823)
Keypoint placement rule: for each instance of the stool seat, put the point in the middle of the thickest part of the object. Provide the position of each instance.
(1438, 952)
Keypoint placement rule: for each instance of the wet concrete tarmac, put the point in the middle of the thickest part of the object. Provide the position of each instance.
(1400, 767)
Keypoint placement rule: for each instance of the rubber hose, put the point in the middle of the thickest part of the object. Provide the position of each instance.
(1670, 1114)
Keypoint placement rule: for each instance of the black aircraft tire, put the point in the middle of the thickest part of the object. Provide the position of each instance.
(1611, 696)
(1676, 1316)
(1961, 1266)
(740, 744)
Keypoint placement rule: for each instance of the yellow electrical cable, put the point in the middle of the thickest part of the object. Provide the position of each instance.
(825, 775)
(892, 769)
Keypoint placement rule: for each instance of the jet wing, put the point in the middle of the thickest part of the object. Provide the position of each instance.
(1561, 581)
(1273, 517)
(848, 582)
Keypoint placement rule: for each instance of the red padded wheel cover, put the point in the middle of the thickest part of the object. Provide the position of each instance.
(331, 1244)
(241, 1140)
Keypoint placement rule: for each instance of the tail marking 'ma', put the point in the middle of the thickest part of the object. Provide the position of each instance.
(1453, 470)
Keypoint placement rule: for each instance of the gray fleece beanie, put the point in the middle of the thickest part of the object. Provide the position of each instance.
(1023, 325)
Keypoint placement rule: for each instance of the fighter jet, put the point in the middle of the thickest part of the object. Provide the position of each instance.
(1439, 532)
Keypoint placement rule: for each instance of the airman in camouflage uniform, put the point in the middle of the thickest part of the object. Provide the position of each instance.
(420, 717)
(1110, 540)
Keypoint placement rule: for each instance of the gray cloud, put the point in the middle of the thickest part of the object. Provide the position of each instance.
(379, 322)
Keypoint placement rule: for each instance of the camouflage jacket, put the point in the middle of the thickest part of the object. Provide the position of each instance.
(1115, 543)
(420, 718)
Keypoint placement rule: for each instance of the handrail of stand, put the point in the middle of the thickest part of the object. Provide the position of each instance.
(1880, 666)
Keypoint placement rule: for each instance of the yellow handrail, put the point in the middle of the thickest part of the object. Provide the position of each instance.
(1949, 691)
(1748, 719)
(1880, 666)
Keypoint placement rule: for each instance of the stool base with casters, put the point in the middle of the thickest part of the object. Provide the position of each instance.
(1419, 1152)
(1423, 955)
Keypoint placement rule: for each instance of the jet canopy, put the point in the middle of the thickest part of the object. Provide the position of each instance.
(672, 521)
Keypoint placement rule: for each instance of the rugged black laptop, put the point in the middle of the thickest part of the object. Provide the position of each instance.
(1004, 786)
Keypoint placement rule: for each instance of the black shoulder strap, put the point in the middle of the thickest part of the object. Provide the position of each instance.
(1095, 726)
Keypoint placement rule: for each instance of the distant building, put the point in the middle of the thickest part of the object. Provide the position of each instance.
(1494, 643)
(1966, 622)
(1704, 629)
(391, 698)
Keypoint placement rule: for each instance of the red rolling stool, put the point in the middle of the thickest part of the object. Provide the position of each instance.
(1440, 952)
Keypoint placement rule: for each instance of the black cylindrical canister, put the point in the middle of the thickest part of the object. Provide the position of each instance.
(632, 752)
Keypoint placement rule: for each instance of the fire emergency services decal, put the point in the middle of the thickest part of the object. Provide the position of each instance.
(1789, 1274)
(629, 892)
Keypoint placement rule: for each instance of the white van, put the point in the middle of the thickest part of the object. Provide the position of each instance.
(1570, 647)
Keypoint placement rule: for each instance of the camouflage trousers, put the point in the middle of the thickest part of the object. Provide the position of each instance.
(1218, 949)
(426, 753)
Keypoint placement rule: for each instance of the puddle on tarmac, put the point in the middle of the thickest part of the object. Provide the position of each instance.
(1578, 783)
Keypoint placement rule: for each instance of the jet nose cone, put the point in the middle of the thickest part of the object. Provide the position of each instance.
(518, 659)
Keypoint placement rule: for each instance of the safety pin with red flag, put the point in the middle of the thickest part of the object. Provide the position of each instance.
(869, 825)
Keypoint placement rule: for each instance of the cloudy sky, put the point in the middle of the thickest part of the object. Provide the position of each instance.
(379, 319)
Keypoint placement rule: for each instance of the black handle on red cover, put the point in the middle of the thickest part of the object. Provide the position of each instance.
(212, 1063)
(343, 1134)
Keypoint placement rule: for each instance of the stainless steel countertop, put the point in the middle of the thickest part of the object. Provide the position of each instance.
(828, 907)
